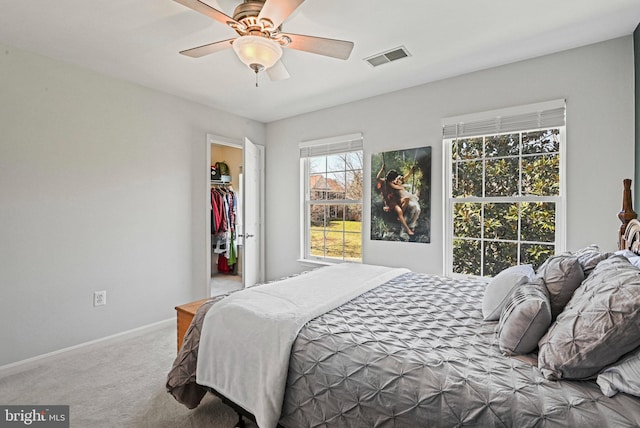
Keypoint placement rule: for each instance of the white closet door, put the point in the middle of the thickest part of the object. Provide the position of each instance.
(252, 183)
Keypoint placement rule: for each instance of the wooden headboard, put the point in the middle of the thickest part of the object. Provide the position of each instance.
(629, 232)
(632, 236)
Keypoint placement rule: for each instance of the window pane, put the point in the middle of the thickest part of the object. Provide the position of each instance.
(334, 242)
(317, 216)
(466, 256)
(336, 212)
(353, 213)
(468, 148)
(335, 185)
(353, 245)
(317, 241)
(466, 220)
(353, 160)
(317, 248)
(540, 175)
(455, 188)
(538, 221)
(498, 256)
(351, 226)
(467, 179)
(336, 162)
(502, 145)
(502, 177)
(501, 221)
(317, 164)
(354, 184)
(535, 254)
(318, 187)
(546, 141)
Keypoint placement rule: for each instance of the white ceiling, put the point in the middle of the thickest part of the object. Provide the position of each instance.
(139, 40)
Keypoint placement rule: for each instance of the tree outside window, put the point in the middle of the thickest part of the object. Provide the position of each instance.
(504, 198)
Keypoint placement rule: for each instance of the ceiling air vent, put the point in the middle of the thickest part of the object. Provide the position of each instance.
(388, 56)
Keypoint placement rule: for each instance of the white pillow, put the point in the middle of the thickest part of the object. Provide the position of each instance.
(633, 258)
(623, 376)
(500, 287)
(626, 253)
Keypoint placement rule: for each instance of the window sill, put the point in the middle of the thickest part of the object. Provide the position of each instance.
(310, 262)
(315, 262)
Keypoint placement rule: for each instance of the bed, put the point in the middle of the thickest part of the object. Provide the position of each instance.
(415, 349)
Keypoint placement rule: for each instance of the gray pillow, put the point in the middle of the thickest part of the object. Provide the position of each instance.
(499, 288)
(599, 325)
(525, 319)
(623, 376)
(562, 275)
(589, 257)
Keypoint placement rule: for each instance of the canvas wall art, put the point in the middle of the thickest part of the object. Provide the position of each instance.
(401, 195)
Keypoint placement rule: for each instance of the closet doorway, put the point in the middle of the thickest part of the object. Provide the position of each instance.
(234, 236)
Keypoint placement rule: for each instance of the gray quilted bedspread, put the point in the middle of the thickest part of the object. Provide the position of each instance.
(415, 353)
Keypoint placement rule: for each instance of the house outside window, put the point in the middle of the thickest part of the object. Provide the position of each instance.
(332, 191)
(504, 188)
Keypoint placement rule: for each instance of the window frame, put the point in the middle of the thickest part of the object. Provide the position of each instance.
(326, 147)
(449, 201)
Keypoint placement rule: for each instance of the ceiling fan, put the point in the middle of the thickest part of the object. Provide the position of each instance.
(260, 42)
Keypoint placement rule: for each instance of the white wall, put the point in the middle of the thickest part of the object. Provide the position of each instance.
(596, 81)
(103, 186)
(103, 183)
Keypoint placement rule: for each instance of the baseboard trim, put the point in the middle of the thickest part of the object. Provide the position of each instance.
(20, 365)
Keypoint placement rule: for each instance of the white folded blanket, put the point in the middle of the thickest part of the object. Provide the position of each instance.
(246, 338)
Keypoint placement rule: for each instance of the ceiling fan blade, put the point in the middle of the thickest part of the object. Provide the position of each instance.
(277, 72)
(205, 9)
(277, 11)
(340, 49)
(208, 49)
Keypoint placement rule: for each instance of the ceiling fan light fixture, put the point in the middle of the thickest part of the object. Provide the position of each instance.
(257, 51)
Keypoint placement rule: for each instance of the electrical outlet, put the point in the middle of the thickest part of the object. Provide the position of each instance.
(99, 298)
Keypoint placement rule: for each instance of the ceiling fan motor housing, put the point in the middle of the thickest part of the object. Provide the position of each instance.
(248, 9)
(246, 14)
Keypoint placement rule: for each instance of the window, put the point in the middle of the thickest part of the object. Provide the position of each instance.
(504, 188)
(332, 187)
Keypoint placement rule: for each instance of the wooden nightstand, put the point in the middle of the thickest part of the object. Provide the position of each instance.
(186, 313)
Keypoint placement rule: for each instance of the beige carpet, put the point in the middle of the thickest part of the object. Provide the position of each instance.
(115, 383)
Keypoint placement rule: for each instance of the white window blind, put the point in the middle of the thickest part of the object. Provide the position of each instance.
(331, 145)
(532, 116)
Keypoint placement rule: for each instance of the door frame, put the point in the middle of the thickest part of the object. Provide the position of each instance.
(238, 144)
